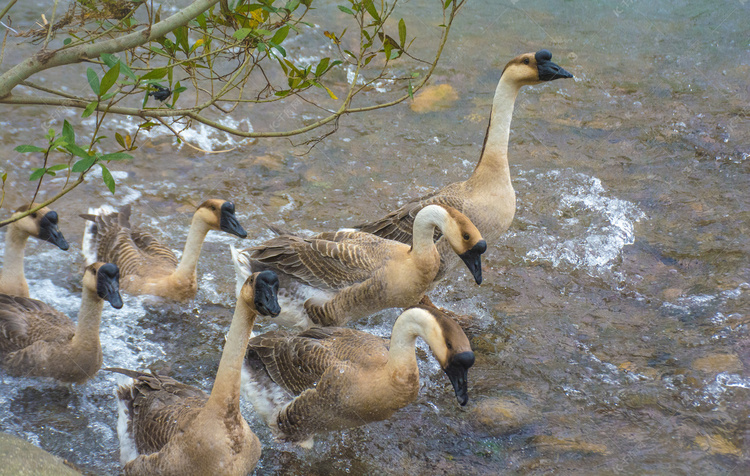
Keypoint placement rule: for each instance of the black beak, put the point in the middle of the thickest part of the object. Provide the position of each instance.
(549, 71)
(266, 293)
(48, 231)
(458, 373)
(229, 221)
(473, 259)
(108, 284)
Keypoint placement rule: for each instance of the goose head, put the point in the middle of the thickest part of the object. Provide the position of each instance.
(219, 215)
(533, 68)
(452, 349)
(466, 241)
(42, 224)
(260, 292)
(104, 280)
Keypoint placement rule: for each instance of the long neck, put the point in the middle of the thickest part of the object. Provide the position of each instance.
(89, 318)
(494, 159)
(409, 325)
(226, 390)
(12, 275)
(196, 236)
(428, 218)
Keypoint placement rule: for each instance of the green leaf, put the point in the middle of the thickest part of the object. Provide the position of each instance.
(77, 151)
(345, 10)
(279, 49)
(322, 66)
(120, 140)
(36, 174)
(371, 9)
(93, 80)
(402, 32)
(109, 181)
(125, 69)
(155, 74)
(116, 156)
(29, 148)
(4, 176)
(109, 59)
(280, 35)
(110, 77)
(68, 133)
(201, 19)
(181, 38)
(242, 33)
(90, 108)
(51, 170)
(83, 164)
(67, 41)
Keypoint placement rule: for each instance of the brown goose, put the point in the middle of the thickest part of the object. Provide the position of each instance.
(42, 225)
(332, 378)
(37, 340)
(347, 275)
(148, 266)
(487, 197)
(169, 428)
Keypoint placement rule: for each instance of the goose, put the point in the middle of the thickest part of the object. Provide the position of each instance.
(148, 266)
(344, 275)
(41, 224)
(167, 427)
(37, 340)
(333, 378)
(487, 197)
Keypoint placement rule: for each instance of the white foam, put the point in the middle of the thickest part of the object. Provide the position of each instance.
(609, 223)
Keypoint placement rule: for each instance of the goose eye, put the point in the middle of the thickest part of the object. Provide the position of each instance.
(525, 61)
(466, 236)
(449, 345)
(33, 215)
(213, 208)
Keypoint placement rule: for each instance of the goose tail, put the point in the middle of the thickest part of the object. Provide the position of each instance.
(125, 394)
(91, 233)
(241, 268)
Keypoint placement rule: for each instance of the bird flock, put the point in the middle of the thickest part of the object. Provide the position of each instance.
(312, 374)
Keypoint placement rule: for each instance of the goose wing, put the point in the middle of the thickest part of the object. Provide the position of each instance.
(24, 321)
(134, 251)
(157, 407)
(321, 262)
(398, 224)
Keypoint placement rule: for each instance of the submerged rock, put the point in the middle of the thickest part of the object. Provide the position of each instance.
(21, 458)
(714, 363)
(434, 98)
(502, 415)
(552, 444)
(717, 444)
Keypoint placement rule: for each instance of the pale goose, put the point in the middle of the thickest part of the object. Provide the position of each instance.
(333, 378)
(41, 224)
(344, 275)
(37, 340)
(487, 197)
(148, 266)
(167, 427)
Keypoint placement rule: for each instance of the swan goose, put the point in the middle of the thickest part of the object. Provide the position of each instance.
(343, 275)
(333, 378)
(167, 427)
(487, 197)
(37, 340)
(42, 225)
(148, 266)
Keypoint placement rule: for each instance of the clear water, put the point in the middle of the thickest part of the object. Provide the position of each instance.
(613, 315)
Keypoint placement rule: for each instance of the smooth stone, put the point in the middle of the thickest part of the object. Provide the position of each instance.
(552, 444)
(434, 98)
(502, 415)
(21, 458)
(717, 445)
(714, 363)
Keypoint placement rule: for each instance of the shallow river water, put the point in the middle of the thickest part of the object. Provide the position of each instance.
(612, 327)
